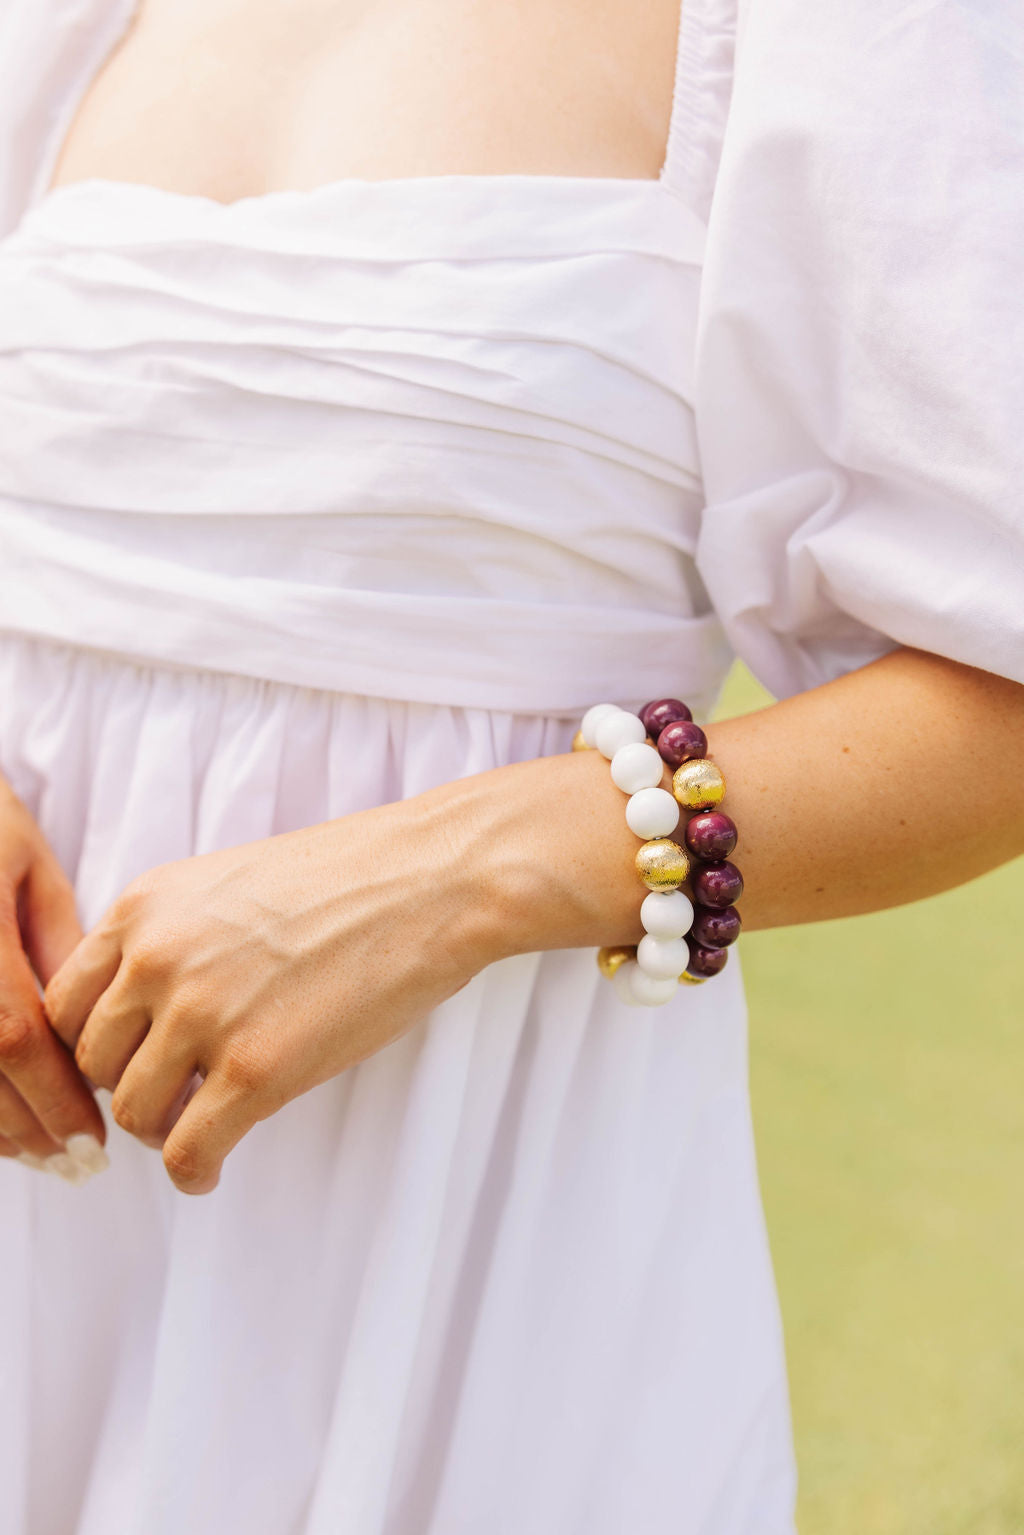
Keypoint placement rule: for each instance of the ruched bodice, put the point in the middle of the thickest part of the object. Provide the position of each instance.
(442, 448)
(430, 439)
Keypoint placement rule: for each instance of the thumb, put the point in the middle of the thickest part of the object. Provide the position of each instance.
(49, 919)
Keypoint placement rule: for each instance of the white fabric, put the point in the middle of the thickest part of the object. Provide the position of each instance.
(507, 1275)
(859, 388)
(298, 499)
(313, 501)
(407, 483)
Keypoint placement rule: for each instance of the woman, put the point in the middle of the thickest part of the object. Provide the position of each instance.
(378, 393)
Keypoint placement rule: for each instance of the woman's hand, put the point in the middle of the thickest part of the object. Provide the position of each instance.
(47, 1110)
(264, 970)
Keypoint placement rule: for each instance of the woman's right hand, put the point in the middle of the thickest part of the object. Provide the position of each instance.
(48, 1115)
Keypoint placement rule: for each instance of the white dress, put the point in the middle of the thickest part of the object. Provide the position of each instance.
(315, 500)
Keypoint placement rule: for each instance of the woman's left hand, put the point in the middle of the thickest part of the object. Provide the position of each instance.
(265, 970)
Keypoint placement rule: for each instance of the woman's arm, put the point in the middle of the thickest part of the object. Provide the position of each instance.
(267, 969)
(890, 784)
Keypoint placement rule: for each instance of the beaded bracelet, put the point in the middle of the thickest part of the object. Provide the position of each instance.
(682, 942)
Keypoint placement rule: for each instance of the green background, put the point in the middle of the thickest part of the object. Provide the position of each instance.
(887, 1071)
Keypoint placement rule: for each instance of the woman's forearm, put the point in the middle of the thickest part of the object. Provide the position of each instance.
(269, 968)
(890, 784)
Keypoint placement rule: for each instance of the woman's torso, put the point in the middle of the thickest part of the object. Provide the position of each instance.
(233, 98)
(423, 443)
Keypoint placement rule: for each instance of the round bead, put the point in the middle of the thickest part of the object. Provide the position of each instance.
(609, 959)
(691, 980)
(705, 960)
(682, 741)
(649, 990)
(662, 864)
(592, 718)
(652, 812)
(578, 743)
(717, 884)
(635, 767)
(622, 981)
(617, 730)
(661, 712)
(716, 927)
(711, 835)
(664, 958)
(698, 785)
(667, 915)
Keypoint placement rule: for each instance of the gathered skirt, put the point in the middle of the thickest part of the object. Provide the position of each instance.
(509, 1276)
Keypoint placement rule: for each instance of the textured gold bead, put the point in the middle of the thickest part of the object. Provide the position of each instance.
(662, 864)
(578, 743)
(609, 960)
(692, 980)
(698, 785)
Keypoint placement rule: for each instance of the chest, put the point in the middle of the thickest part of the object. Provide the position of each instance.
(233, 98)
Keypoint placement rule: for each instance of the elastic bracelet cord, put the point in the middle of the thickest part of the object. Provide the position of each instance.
(683, 941)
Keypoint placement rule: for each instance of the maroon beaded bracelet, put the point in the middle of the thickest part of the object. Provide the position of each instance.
(709, 835)
(640, 972)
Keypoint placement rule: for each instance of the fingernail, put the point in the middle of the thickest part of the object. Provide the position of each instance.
(29, 1160)
(66, 1167)
(87, 1152)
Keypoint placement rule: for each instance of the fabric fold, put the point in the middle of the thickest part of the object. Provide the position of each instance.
(366, 438)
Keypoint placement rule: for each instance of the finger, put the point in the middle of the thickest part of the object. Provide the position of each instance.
(154, 1089)
(21, 1127)
(113, 1032)
(227, 1105)
(36, 1062)
(49, 918)
(78, 985)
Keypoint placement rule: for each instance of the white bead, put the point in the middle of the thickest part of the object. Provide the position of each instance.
(649, 991)
(592, 718)
(616, 730)
(635, 767)
(622, 981)
(650, 812)
(663, 958)
(668, 915)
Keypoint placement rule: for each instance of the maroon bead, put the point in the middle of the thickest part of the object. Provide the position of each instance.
(716, 927)
(705, 959)
(661, 712)
(711, 835)
(717, 884)
(681, 742)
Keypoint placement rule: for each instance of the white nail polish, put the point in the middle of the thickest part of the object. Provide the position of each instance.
(87, 1152)
(28, 1160)
(66, 1167)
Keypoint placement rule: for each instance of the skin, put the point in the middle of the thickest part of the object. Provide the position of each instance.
(218, 988)
(233, 98)
(43, 1098)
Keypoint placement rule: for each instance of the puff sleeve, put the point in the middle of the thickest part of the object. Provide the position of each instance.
(860, 362)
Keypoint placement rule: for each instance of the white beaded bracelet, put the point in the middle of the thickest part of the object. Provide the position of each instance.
(652, 813)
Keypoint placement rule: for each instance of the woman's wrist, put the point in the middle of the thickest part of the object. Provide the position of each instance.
(537, 855)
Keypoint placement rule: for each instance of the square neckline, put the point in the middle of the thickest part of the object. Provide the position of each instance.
(670, 178)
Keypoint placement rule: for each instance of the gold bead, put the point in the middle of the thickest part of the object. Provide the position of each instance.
(578, 743)
(609, 960)
(698, 785)
(692, 980)
(662, 864)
